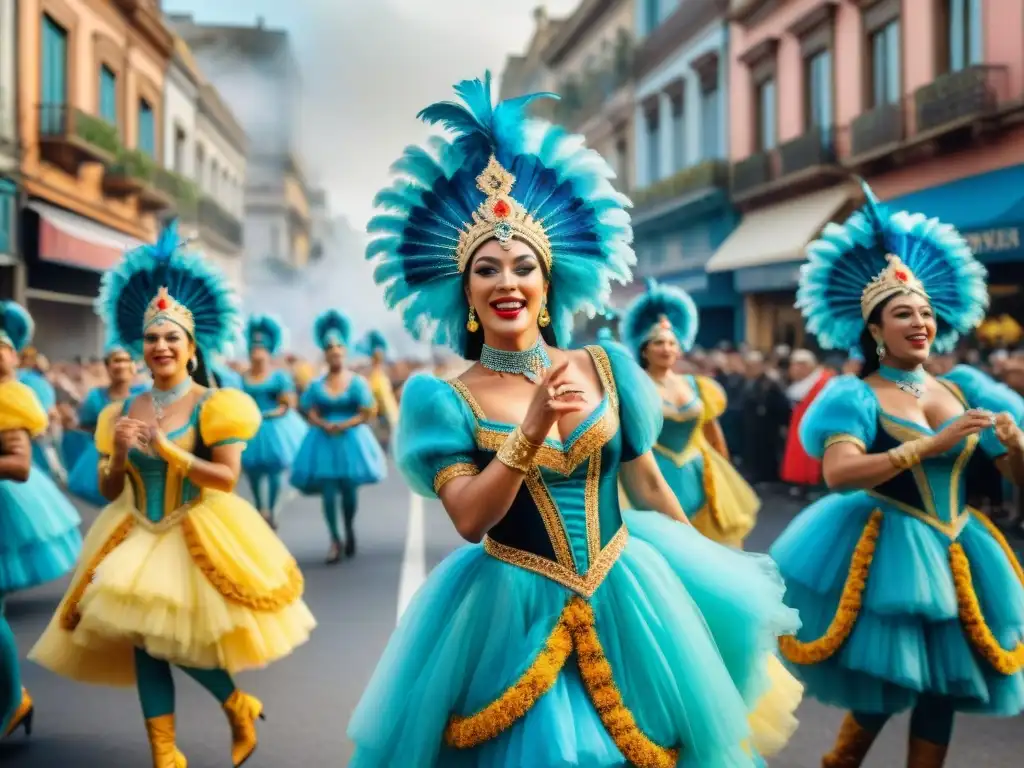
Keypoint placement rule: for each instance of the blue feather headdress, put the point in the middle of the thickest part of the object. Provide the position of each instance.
(16, 325)
(661, 306)
(852, 268)
(163, 282)
(502, 176)
(266, 331)
(113, 347)
(332, 328)
(373, 342)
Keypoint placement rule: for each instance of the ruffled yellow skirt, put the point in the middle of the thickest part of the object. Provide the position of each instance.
(773, 721)
(728, 509)
(210, 587)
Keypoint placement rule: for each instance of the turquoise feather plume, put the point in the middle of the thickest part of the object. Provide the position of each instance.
(16, 325)
(648, 308)
(267, 331)
(332, 327)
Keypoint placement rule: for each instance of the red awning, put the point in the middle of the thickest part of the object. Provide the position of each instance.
(67, 238)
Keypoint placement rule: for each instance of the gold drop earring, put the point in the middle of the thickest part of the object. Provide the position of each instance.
(471, 323)
(544, 318)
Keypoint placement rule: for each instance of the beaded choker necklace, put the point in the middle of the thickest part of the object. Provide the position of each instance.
(530, 363)
(165, 398)
(911, 382)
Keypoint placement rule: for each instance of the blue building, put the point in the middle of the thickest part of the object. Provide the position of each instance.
(683, 212)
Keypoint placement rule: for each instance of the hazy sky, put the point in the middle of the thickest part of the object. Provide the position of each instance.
(370, 65)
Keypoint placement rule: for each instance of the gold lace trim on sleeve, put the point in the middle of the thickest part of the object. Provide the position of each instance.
(850, 601)
(575, 630)
(461, 469)
(845, 438)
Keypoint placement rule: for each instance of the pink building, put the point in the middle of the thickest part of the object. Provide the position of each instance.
(921, 97)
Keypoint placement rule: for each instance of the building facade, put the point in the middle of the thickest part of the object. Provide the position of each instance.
(12, 278)
(528, 72)
(680, 115)
(90, 104)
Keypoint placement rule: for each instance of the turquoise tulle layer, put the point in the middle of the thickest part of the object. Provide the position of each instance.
(39, 535)
(72, 445)
(685, 624)
(908, 638)
(84, 477)
(354, 458)
(273, 448)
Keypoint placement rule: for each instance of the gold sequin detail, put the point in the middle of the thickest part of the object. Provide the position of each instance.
(845, 438)
(552, 519)
(461, 469)
(516, 452)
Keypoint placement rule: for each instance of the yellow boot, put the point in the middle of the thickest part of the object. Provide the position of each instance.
(22, 717)
(161, 740)
(243, 710)
(925, 754)
(852, 745)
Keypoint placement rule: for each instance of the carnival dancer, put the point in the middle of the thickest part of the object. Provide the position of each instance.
(44, 446)
(386, 420)
(658, 326)
(271, 452)
(807, 380)
(84, 478)
(178, 570)
(339, 453)
(39, 536)
(225, 376)
(567, 637)
(909, 599)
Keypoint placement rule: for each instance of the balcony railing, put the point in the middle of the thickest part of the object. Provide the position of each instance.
(878, 128)
(751, 172)
(68, 137)
(704, 175)
(135, 172)
(218, 221)
(958, 96)
(813, 149)
(183, 191)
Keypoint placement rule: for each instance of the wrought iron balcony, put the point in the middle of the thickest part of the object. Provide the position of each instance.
(134, 173)
(880, 128)
(960, 96)
(215, 220)
(69, 138)
(812, 150)
(751, 172)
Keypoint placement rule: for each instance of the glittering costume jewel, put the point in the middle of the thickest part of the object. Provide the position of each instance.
(165, 398)
(911, 382)
(530, 363)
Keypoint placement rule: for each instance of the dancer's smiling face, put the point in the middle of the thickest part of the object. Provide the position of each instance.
(907, 327)
(662, 351)
(507, 289)
(120, 367)
(335, 356)
(167, 348)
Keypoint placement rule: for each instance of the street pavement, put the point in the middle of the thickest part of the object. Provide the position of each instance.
(310, 695)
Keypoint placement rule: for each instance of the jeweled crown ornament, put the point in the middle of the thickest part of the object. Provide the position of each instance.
(166, 307)
(894, 279)
(663, 326)
(500, 217)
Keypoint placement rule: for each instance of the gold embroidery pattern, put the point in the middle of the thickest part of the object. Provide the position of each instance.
(461, 469)
(1003, 660)
(679, 458)
(564, 463)
(692, 412)
(585, 585)
(845, 438)
(575, 629)
(69, 615)
(951, 529)
(552, 519)
(850, 601)
(459, 386)
(592, 509)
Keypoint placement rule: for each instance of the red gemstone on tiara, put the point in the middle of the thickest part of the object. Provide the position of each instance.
(501, 209)
(161, 304)
(900, 275)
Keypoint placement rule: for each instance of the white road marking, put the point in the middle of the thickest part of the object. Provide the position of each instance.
(414, 562)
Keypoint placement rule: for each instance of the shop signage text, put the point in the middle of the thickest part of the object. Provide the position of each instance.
(994, 240)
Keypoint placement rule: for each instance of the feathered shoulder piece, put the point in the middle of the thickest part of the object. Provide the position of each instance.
(166, 283)
(501, 176)
(16, 325)
(372, 342)
(331, 328)
(661, 308)
(266, 331)
(876, 254)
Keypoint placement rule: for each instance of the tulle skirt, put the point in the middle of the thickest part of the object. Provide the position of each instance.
(84, 477)
(732, 513)
(215, 589)
(907, 637)
(687, 627)
(273, 448)
(353, 458)
(73, 444)
(39, 535)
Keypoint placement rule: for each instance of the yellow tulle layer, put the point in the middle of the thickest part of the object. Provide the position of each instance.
(773, 721)
(730, 511)
(215, 589)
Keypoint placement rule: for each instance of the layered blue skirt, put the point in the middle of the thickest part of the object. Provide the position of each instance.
(84, 477)
(39, 535)
(273, 448)
(687, 626)
(908, 638)
(352, 458)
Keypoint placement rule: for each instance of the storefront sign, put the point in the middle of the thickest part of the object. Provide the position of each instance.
(993, 240)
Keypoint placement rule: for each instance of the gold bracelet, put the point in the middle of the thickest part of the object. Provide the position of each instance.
(907, 455)
(517, 452)
(175, 455)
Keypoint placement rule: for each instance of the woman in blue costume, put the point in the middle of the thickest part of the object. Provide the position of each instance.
(569, 633)
(909, 599)
(659, 326)
(44, 453)
(39, 537)
(177, 570)
(84, 479)
(340, 452)
(271, 453)
(386, 421)
(226, 377)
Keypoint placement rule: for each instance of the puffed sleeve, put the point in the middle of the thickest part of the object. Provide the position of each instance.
(364, 395)
(640, 415)
(89, 411)
(982, 391)
(435, 441)
(284, 384)
(713, 397)
(104, 437)
(846, 411)
(310, 397)
(228, 416)
(20, 409)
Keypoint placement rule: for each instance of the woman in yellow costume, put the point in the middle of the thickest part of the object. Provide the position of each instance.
(376, 346)
(178, 570)
(659, 326)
